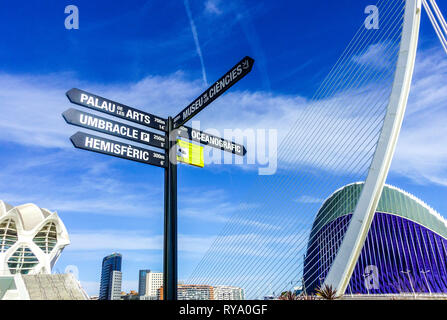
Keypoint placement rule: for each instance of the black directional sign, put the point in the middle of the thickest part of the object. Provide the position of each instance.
(116, 109)
(210, 140)
(240, 70)
(121, 150)
(114, 128)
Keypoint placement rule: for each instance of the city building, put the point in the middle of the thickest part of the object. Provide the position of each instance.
(405, 250)
(31, 239)
(41, 287)
(149, 297)
(149, 283)
(297, 290)
(132, 295)
(191, 292)
(142, 281)
(228, 293)
(111, 277)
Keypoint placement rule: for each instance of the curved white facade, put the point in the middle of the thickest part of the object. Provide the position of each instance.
(31, 239)
(345, 261)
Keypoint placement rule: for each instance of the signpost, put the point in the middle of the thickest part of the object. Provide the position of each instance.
(166, 141)
(117, 149)
(210, 140)
(114, 128)
(92, 101)
(240, 70)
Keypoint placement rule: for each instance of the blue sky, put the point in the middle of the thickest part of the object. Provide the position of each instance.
(144, 54)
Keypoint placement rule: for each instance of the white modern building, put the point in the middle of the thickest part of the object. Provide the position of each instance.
(228, 293)
(152, 282)
(31, 239)
(41, 287)
(117, 279)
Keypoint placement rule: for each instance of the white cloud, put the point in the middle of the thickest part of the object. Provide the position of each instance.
(197, 202)
(118, 240)
(31, 110)
(248, 244)
(309, 199)
(212, 7)
(114, 240)
(133, 241)
(421, 152)
(97, 189)
(32, 105)
(375, 56)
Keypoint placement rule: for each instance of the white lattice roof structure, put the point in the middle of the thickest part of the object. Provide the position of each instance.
(31, 239)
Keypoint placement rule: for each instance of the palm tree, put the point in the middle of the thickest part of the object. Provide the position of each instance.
(327, 292)
(288, 295)
(305, 296)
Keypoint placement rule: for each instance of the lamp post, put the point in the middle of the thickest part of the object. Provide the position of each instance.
(321, 278)
(304, 286)
(409, 278)
(350, 289)
(424, 272)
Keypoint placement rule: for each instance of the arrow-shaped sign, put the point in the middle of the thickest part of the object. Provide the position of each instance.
(116, 109)
(236, 73)
(89, 142)
(114, 128)
(210, 140)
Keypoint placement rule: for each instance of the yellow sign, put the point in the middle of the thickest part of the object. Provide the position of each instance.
(190, 153)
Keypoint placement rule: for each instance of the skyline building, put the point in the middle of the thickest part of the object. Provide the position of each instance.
(111, 277)
(405, 250)
(142, 274)
(228, 293)
(191, 292)
(149, 283)
(154, 281)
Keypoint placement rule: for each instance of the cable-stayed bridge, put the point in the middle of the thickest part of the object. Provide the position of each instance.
(326, 217)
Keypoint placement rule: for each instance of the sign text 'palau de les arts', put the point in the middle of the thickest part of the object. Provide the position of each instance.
(94, 102)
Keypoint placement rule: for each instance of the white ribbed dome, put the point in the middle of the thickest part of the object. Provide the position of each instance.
(31, 239)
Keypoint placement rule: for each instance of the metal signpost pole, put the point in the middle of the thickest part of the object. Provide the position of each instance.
(170, 224)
